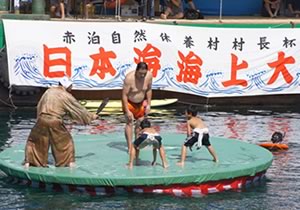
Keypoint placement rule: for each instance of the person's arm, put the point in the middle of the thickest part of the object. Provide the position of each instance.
(189, 130)
(149, 96)
(76, 111)
(277, 2)
(267, 6)
(192, 5)
(291, 9)
(268, 2)
(154, 156)
(62, 10)
(125, 92)
(277, 10)
(140, 132)
(177, 3)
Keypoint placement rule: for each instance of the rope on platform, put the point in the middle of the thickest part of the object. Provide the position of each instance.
(11, 104)
(10, 98)
(207, 103)
(6, 104)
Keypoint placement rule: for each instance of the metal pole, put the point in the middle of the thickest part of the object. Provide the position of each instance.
(38, 7)
(11, 6)
(116, 10)
(4, 5)
(221, 11)
(119, 9)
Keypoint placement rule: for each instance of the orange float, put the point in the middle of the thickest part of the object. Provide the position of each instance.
(274, 147)
(111, 4)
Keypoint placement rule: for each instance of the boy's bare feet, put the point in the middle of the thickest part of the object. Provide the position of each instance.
(129, 165)
(165, 165)
(180, 164)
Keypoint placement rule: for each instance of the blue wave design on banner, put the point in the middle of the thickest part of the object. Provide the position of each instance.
(25, 67)
(80, 80)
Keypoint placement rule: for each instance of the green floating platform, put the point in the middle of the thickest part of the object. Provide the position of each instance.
(101, 161)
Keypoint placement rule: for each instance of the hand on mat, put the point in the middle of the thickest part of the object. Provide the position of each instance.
(147, 110)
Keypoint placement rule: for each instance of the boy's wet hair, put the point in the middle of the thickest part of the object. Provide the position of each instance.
(141, 65)
(145, 124)
(192, 110)
(277, 137)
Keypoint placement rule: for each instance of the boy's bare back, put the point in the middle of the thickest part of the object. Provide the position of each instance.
(196, 122)
(149, 130)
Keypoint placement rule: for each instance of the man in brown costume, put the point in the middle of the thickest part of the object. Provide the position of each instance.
(49, 129)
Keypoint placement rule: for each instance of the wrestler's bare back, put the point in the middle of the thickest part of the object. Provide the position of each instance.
(137, 88)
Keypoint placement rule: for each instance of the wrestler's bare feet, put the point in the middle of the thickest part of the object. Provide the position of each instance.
(72, 165)
(26, 165)
(180, 164)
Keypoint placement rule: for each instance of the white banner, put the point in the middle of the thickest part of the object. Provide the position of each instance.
(211, 62)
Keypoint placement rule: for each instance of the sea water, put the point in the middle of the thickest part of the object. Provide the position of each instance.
(280, 191)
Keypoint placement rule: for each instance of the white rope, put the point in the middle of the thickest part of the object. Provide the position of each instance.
(10, 97)
(11, 104)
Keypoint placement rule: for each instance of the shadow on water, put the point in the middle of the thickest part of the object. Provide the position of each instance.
(248, 124)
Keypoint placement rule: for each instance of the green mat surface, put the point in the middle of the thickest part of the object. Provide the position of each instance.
(101, 161)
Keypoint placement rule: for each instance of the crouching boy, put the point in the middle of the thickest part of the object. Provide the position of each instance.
(147, 136)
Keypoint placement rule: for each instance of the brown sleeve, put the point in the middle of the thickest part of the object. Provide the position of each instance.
(76, 111)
